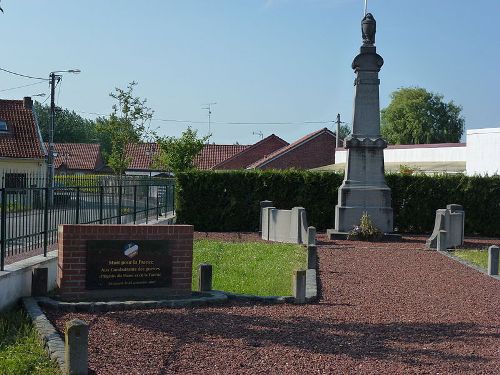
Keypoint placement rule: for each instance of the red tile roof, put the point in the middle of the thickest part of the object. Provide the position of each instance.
(142, 155)
(212, 155)
(78, 156)
(252, 153)
(22, 138)
(293, 146)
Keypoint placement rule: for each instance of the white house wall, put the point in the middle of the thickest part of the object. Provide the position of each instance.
(483, 151)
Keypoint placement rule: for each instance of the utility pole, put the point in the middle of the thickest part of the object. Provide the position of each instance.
(338, 131)
(209, 108)
(54, 79)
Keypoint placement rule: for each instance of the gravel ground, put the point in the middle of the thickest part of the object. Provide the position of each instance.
(386, 308)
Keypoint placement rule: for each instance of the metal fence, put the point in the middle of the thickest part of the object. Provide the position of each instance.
(29, 216)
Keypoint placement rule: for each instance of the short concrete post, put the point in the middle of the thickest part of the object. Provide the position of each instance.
(312, 257)
(39, 282)
(311, 236)
(442, 241)
(76, 347)
(205, 278)
(493, 259)
(263, 204)
(299, 286)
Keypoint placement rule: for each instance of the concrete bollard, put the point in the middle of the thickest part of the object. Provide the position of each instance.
(39, 282)
(311, 236)
(76, 347)
(263, 204)
(312, 257)
(205, 278)
(493, 259)
(299, 286)
(442, 241)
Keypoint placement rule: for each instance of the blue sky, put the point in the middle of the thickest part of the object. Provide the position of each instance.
(260, 60)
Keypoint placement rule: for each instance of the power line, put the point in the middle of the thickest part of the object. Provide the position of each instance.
(20, 87)
(23, 75)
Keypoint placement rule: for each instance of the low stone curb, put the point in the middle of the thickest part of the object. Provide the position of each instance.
(51, 339)
(208, 298)
(467, 263)
(311, 293)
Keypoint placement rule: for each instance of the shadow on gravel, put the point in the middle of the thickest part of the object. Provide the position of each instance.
(410, 343)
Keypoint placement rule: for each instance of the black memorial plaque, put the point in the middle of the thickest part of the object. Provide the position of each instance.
(128, 264)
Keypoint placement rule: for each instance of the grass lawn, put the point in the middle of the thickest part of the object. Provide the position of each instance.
(257, 268)
(21, 351)
(477, 257)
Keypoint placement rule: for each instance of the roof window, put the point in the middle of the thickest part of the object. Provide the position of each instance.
(3, 126)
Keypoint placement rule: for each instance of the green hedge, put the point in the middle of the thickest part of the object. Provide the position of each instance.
(229, 201)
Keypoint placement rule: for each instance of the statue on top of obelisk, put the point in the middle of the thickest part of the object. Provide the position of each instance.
(364, 188)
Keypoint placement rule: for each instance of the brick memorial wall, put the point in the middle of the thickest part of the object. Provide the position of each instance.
(113, 261)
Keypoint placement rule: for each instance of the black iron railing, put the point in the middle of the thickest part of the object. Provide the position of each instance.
(30, 216)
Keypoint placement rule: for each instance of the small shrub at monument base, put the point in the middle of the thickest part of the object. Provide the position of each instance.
(365, 231)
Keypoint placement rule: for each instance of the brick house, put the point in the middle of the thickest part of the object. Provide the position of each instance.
(314, 150)
(213, 154)
(142, 158)
(22, 152)
(78, 158)
(252, 153)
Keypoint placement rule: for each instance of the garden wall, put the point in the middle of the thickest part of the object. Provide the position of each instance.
(229, 201)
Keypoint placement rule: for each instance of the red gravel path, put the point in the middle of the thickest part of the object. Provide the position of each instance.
(386, 308)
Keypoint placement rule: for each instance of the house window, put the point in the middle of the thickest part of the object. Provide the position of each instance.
(3, 126)
(15, 180)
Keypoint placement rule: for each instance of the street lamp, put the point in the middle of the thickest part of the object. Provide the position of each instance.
(54, 78)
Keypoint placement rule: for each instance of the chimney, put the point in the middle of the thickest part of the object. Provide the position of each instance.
(27, 102)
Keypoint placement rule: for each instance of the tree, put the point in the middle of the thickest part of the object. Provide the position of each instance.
(344, 131)
(126, 124)
(70, 126)
(417, 116)
(177, 154)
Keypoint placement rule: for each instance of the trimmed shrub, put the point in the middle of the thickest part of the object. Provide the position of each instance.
(229, 201)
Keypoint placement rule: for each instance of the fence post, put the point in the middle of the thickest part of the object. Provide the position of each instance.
(119, 217)
(157, 203)
(101, 203)
(46, 222)
(135, 203)
(493, 255)
(3, 235)
(147, 205)
(77, 213)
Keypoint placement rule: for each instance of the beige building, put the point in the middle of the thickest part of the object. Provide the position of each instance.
(22, 153)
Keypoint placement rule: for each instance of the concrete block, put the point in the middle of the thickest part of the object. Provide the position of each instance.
(76, 347)
(39, 281)
(311, 236)
(312, 257)
(299, 286)
(289, 226)
(452, 220)
(263, 204)
(442, 240)
(205, 278)
(493, 259)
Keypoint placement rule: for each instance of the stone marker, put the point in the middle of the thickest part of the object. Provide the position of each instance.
(205, 278)
(493, 259)
(299, 286)
(364, 188)
(263, 204)
(76, 347)
(442, 241)
(312, 257)
(311, 236)
(289, 226)
(39, 282)
(450, 219)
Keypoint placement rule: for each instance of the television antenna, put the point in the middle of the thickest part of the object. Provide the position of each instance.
(259, 133)
(209, 109)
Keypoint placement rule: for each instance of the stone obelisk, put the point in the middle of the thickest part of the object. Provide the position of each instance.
(364, 188)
